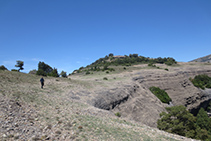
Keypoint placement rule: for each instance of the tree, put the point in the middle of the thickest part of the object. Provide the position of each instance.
(178, 120)
(19, 65)
(45, 67)
(54, 73)
(2, 67)
(203, 121)
(111, 55)
(63, 74)
(41, 72)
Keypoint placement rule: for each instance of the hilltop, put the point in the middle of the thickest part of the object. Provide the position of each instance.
(83, 107)
(203, 59)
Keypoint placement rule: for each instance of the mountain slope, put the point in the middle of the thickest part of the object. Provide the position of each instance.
(59, 111)
(203, 59)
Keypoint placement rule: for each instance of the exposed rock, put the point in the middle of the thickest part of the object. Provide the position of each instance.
(136, 102)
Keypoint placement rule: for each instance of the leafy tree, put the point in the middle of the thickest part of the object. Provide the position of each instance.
(63, 74)
(19, 65)
(203, 121)
(170, 61)
(54, 73)
(41, 72)
(178, 120)
(202, 134)
(133, 55)
(2, 67)
(111, 55)
(161, 94)
(45, 67)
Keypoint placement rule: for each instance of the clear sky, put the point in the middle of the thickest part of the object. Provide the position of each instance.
(68, 34)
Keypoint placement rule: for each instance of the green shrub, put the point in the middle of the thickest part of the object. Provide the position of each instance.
(87, 72)
(63, 74)
(179, 121)
(203, 120)
(151, 65)
(2, 67)
(54, 73)
(161, 94)
(166, 69)
(201, 81)
(170, 61)
(14, 70)
(41, 72)
(105, 78)
(118, 114)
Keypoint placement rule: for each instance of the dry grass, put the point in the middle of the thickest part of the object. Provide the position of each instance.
(62, 118)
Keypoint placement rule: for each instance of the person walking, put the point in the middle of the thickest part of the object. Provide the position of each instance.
(42, 82)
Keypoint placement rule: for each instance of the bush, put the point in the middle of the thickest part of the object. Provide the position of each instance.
(41, 72)
(54, 73)
(14, 70)
(87, 72)
(2, 67)
(105, 78)
(201, 81)
(177, 120)
(118, 114)
(151, 65)
(166, 69)
(203, 120)
(170, 61)
(63, 74)
(45, 67)
(161, 94)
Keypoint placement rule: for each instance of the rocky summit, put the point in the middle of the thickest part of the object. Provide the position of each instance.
(98, 106)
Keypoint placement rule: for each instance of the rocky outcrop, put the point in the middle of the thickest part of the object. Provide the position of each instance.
(136, 102)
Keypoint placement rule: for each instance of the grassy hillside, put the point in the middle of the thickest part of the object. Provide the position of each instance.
(31, 113)
(110, 61)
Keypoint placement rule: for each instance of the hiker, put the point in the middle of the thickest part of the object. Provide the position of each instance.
(42, 82)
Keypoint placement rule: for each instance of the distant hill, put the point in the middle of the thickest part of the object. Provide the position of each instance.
(203, 59)
(103, 64)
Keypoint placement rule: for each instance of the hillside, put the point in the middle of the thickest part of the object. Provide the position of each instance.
(104, 64)
(203, 59)
(69, 108)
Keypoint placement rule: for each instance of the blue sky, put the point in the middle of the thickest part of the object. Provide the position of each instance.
(69, 34)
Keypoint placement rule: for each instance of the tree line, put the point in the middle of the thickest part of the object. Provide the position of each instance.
(43, 69)
(132, 59)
